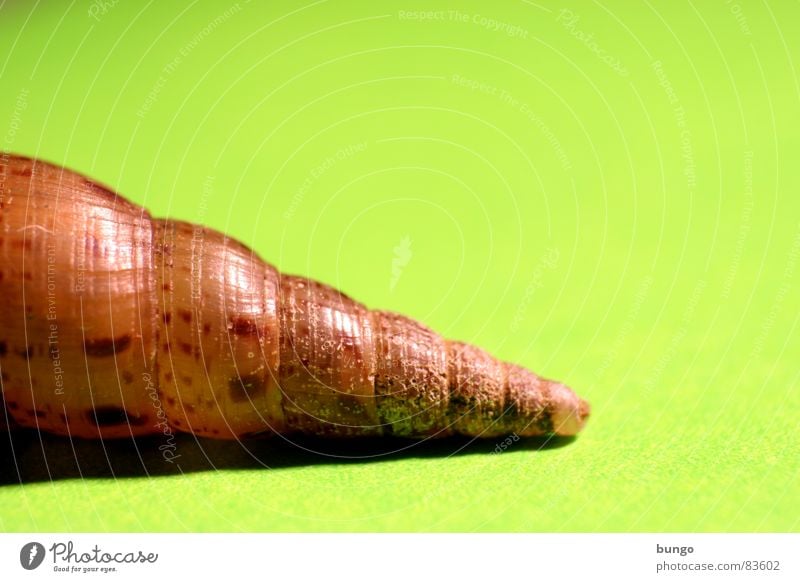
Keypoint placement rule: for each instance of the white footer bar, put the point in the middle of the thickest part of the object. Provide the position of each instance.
(400, 557)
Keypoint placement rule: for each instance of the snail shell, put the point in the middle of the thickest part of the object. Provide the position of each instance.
(115, 324)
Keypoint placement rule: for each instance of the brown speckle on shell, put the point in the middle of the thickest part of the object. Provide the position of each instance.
(106, 346)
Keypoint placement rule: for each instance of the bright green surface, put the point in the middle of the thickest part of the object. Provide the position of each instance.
(565, 215)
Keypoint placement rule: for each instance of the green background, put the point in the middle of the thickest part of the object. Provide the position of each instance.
(607, 193)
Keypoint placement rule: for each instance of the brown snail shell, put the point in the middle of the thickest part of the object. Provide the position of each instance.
(115, 324)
